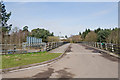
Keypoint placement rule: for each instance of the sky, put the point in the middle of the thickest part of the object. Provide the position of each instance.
(63, 18)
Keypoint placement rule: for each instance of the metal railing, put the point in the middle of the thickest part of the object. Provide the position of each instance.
(28, 48)
(115, 48)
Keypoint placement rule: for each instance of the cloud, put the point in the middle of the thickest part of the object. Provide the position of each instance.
(101, 13)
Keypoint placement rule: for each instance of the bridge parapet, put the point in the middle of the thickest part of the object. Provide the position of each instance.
(114, 48)
(27, 48)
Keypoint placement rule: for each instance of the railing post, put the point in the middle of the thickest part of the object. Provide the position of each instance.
(112, 48)
(14, 48)
(47, 46)
(106, 46)
(95, 44)
(101, 45)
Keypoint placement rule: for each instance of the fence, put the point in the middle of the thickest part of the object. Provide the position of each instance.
(27, 48)
(11, 48)
(115, 48)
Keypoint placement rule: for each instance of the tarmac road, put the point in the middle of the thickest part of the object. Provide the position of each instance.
(79, 62)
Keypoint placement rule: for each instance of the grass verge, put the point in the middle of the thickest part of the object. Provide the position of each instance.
(14, 60)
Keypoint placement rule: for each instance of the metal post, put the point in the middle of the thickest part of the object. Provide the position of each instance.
(106, 46)
(14, 48)
(112, 48)
(95, 44)
(101, 45)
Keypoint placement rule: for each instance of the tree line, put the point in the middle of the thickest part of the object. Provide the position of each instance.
(17, 36)
(98, 35)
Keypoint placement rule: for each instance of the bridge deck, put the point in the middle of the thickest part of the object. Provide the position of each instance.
(80, 62)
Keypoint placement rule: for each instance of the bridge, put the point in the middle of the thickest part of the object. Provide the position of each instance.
(79, 61)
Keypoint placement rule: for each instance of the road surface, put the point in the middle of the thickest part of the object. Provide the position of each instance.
(79, 62)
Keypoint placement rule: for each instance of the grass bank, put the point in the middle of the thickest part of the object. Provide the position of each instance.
(14, 60)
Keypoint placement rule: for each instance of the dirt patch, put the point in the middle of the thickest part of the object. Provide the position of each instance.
(45, 74)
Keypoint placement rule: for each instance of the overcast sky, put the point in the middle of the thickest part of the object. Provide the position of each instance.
(69, 18)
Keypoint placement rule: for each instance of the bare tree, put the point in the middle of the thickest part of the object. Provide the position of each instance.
(53, 39)
(91, 37)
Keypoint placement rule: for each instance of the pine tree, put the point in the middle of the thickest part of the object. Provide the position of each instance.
(4, 17)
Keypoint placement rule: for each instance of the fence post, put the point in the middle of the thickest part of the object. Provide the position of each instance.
(47, 47)
(101, 45)
(14, 48)
(95, 44)
(112, 48)
(56, 45)
(106, 46)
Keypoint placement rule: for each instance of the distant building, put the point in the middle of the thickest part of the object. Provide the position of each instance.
(62, 38)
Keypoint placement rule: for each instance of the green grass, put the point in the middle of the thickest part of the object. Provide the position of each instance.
(14, 60)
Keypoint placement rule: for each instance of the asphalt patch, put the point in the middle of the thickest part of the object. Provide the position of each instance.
(45, 74)
(64, 74)
(68, 49)
(68, 57)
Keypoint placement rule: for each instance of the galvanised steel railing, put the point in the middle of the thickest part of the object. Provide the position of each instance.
(115, 48)
(27, 48)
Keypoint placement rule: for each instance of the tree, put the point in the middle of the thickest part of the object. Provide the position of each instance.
(53, 39)
(79, 33)
(25, 28)
(114, 36)
(97, 30)
(66, 36)
(75, 38)
(102, 35)
(85, 33)
(52, 34)
(91, 37)
(15, 29)
(4, 17)
(41, 33)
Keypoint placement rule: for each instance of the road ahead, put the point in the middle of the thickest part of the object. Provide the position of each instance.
(79, 62)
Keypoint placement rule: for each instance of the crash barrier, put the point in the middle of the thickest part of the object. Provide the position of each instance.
(28, 48)
(115, 48)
